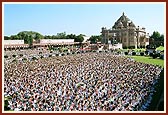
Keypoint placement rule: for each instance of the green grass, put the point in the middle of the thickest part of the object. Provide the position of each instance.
(136, 50)
(148, 60)
(161, 48)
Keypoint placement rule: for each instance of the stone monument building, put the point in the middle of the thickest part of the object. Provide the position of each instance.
(125, 32)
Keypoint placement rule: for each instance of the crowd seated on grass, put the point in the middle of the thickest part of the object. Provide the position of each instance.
(81, 82)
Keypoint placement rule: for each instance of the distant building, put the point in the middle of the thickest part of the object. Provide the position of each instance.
(13, 42)
(56, 41)
(124, 31)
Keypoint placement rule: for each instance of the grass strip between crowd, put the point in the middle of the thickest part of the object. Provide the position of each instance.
(148, 60)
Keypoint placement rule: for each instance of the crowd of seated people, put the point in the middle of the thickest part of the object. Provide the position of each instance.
(80, 82)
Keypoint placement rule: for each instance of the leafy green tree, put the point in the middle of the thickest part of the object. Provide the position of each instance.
(6, 38)
(38, 36)
(47, 37)
(94, 39)
(71, 36)
(61, 35)
(158, 39)
(28, 36)
(79, 38)
(155, 35)
(15, 37)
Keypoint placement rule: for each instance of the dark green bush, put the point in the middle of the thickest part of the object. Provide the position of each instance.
(154, 56)
(151, 54)
(125, 47)
(142, 54)
(133, 53)
(131, 47)
(126, 53)
(146, 52)
(158, 54)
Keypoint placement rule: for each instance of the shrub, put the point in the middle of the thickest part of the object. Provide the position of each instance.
(151, 54)
(57, 54)
(51, 51)
(131, 47)
(63, 54)
(40, 52)
(50, 55)
(142, 54)
(133, 53)
(161, 56)
(125, 47)
(154, 51)
(68, 53)
(41, 57)
(126, 53)
(154, 56)
(146, 52)
(158, 54)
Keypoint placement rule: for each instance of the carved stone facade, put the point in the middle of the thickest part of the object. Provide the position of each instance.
(124, 31)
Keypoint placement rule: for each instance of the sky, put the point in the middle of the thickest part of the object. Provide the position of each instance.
(87, 19)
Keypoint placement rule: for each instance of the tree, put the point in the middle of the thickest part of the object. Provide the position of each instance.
(28, 36)
(158, 39)
(14, 37)
(71, 36)
(155, 35)
(95, 39)
(38, 36)
(79, 38)
(6, 38)
(61, 35)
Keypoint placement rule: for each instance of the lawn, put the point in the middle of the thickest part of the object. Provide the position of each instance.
(148, 60)
(136, 50)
